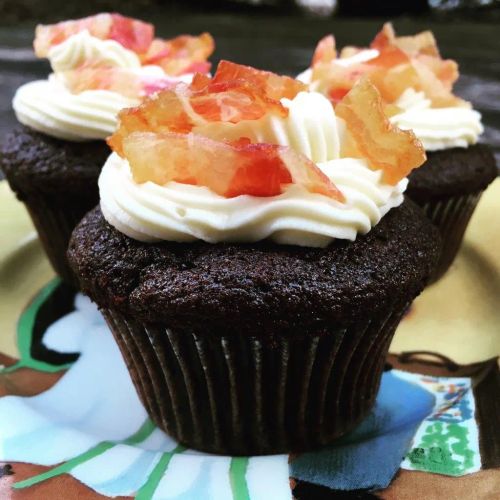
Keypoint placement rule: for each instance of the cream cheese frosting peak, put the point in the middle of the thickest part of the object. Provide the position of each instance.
(83, 47)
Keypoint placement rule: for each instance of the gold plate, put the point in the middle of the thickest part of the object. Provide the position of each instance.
(459, 316)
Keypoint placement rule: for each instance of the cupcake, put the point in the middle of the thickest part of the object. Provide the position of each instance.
(416, 85)
(252, 261)
(100, 65)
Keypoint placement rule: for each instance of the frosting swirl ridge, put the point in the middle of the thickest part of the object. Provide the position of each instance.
(183, 213)
(48, 107)
(437, 128)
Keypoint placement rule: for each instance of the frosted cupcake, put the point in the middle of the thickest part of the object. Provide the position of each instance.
(100, 65)
(251, 261)
(416, 85)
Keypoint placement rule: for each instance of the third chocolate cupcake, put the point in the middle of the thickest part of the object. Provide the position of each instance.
(416, 85)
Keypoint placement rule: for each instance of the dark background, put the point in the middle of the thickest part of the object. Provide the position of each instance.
(277, 35)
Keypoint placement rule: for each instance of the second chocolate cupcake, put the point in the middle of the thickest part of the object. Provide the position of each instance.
(100, 65)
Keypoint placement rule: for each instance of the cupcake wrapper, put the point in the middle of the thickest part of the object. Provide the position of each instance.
(54, 224)
(451, 215)
(239, 396)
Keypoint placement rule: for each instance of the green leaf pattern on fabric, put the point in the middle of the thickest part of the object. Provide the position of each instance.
(447, 441)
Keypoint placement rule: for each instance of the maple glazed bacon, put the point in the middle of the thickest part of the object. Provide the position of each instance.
(102, 64)
(233, 157)
(415, 82)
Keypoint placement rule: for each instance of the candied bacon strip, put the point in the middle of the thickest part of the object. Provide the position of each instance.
(235, 93)
(180, 109)
(392, 82)
(131, 33)
(389, 57)
(339, 80)
(403, 62)
(372, 136)
(90, 77)
(434, 75)
(325, 51)
(123, 81)
(437, 90)
(274, 86)
(227, 169)
(421, 43)
(162, 112)
(181, 55)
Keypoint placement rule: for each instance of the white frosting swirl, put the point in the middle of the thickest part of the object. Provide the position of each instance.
(49, 107)
(180, 212)
(83, 47)
(437, 128)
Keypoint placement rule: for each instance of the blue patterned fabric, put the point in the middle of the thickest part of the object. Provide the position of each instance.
(369, 457)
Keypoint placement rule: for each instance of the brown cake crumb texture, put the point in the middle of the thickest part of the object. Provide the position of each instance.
(452, 172)
(263, 288)
(36, 164)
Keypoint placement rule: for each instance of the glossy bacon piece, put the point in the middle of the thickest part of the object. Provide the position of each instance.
(384, 38)
(338, 80)
(88, 77)
(162, 112)
(325, 51)
(421, 43)
(180, 109)
(181, 55)
(445, 70)
(403, 62)
(120, 80)
(389, 57)
(234, 101)
(435, 88)
(434, 75)
(392, 82)
(235, 93)
(374, 138)
(133, 34)
(227, 169)
(273, 86)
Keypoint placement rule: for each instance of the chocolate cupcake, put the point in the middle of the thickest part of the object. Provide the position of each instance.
(256, 348)
(416, 84)
(252, 275)
(100, 65)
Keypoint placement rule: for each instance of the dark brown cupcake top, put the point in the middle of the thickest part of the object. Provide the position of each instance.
(261, 288)
(36, 163)
(453, 172)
